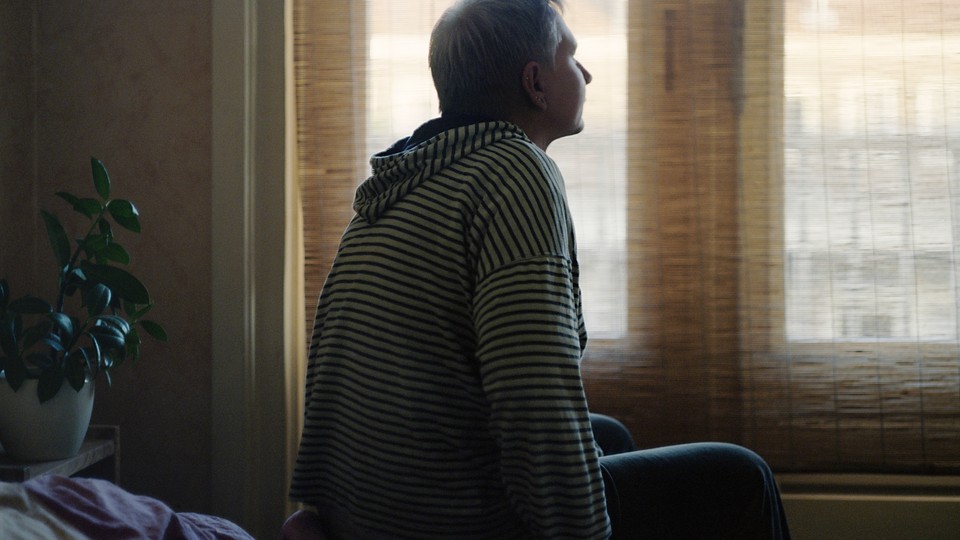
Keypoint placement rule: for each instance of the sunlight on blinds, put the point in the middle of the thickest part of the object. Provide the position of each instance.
(872, 168)
(401, 97)
(767, 203)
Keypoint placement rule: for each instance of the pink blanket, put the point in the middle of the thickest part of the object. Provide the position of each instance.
(61, 507)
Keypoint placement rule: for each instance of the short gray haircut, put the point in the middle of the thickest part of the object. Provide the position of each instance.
(478, 50)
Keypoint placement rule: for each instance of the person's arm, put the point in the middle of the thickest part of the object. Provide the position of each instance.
(529, 350)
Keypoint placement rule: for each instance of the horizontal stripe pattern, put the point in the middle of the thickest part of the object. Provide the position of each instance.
(443, 392)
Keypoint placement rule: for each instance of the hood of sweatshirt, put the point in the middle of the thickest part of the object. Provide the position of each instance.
(433, 147)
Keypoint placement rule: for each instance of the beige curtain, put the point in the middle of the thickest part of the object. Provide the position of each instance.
(766, 199)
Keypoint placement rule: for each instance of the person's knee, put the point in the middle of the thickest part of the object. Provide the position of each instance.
(753, 460)
(749, 478)
(742, 462)
(754, 485)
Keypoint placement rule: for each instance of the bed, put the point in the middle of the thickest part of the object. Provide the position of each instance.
(61, 507)
(69, 508)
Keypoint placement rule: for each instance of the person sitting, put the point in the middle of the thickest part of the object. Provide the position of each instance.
(443, 389)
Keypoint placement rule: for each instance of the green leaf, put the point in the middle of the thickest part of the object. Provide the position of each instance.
(49, 383)
(93, 355)
(69, 197)
(101, 179)
(58, 238)
(30, 305)
(88, 207)
(15, 371)
(76, 374)
(76, 277)
(110, 336)
(135, 312)
(95, 243)
(115, 252)
(42, 360)
(33, 334)
(132, 348)
(120, 281)
(93, 246)
(115, 322)
(155, 330)
(107, 339)
(97, 299)
(64, 323)
(110, 360)
(54, 342)
(125, 214)
(9, 336)
(85, 353)
(105, 228)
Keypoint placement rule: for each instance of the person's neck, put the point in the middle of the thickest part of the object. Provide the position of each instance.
(528, 122)
(443, 123)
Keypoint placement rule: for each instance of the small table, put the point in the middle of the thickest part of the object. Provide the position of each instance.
(99, 457)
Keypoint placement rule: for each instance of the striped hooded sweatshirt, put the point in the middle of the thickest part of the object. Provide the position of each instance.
(443, 390)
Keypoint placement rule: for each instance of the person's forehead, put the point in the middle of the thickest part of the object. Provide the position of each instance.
(567, 39)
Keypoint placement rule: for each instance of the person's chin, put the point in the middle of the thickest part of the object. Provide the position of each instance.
(577, 128)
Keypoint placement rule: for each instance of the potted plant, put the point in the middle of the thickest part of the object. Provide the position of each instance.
(51, 352)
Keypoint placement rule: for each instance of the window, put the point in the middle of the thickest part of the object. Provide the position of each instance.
(767, 203)
(868, 201)
(867, 346)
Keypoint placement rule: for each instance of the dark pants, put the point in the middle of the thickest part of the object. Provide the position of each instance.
(692, 491)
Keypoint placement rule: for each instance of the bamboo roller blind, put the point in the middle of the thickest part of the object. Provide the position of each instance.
(788, 243)
(329, 61)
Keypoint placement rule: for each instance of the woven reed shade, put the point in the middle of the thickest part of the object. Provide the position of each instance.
(767, 197)
(329, 60)
(675, 377)
(850, 334)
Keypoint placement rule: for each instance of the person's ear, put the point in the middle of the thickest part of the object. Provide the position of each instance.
(532, 85)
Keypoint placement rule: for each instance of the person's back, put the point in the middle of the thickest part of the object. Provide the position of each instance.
(443, 389)
(443, 395)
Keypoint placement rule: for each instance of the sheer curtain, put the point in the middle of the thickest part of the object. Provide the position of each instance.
(766, 206)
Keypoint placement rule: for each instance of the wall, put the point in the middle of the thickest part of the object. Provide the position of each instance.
(130, 83)
(878, 507)
(16, 142)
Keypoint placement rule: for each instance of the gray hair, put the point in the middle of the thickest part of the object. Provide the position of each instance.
(478, 50)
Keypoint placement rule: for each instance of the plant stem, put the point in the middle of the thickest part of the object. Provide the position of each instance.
(61, 296)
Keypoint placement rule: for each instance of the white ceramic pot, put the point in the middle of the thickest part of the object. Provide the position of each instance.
(34, 431)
